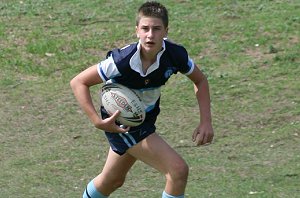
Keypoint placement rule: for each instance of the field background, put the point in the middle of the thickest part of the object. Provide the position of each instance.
(249, 51)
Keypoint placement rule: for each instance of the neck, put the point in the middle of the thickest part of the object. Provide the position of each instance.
(147, 60)
(148, 57)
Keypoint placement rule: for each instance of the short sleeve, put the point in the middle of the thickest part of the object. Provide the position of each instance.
(190, 66)
(185, 63)
(107, 69)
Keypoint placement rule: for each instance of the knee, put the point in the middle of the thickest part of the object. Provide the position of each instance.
(116, 182)
(178, 172)
(109, 183)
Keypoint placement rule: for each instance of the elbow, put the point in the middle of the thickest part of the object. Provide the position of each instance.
(201, 81)
(73, 83)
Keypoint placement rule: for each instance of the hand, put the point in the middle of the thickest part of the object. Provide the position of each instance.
(109, 124)
(203, 134)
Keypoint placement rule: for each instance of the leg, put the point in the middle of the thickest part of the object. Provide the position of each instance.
(155, 152)
(113, 173)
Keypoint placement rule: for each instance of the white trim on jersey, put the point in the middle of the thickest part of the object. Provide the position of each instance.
(191, 64)
(107, 70)
(136, 63)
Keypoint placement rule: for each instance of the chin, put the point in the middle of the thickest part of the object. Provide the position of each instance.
(152, 49)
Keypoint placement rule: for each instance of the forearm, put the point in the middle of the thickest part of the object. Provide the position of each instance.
(203, 98)
(83, 96)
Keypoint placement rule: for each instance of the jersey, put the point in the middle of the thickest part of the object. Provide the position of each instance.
(124, 66)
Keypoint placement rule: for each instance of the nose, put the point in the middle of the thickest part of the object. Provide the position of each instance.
(150, 33)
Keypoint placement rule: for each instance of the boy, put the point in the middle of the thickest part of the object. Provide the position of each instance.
(144, 66)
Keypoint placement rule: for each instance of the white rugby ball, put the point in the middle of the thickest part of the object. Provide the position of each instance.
(115, 97)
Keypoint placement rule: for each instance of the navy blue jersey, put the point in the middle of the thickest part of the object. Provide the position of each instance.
(124, 66)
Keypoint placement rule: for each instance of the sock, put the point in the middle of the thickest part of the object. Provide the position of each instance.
(91, 191)
(166, 195)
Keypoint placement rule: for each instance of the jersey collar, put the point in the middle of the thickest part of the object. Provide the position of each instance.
(136, 63)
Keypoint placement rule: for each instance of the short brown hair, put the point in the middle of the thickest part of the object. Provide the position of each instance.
(153, 9)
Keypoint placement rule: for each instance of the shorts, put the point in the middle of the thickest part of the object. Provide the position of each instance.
(121, 142)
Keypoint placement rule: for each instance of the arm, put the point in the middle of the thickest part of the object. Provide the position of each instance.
(203, 134)
(80, 85)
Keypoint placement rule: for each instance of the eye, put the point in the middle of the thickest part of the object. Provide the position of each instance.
(145, 28)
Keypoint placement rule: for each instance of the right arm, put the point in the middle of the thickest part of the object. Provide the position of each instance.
(80, 85)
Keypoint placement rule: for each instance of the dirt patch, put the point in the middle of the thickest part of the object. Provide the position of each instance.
(261, 55)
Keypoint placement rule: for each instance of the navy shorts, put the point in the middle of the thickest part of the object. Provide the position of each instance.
(120, 142)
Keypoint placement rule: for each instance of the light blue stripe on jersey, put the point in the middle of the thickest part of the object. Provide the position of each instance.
(149, 97)
(103, 75)
(131, 138)
(147, 89)
(150, 108)
(125, 140)
(191, 66)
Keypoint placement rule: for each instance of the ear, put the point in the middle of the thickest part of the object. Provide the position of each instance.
(167, 30)
(136, 32)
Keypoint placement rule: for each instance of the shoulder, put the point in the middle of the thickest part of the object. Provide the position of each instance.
(116, 62)
(178, 56)
(120, 54)
(176, 52)
(175, 48)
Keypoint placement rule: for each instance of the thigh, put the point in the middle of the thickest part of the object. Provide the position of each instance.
(155, 152)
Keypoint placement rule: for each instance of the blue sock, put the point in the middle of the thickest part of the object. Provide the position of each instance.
(166, 195)
(91, 191)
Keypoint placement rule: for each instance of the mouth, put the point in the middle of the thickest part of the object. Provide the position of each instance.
(150, 43)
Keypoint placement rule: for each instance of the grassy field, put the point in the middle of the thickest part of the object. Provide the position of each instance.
(249, 50)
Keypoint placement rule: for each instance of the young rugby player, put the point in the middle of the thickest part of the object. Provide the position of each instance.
(144, 66)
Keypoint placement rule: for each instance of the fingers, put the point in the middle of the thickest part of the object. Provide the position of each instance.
(114, 128)
(111, 126)
(203, 134)
(202, 138)
(195, 135)
(115, 115)
(121, 129)
(210, 138)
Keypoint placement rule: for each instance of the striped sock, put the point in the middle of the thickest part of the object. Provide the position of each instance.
(91, 191)
(166, 195)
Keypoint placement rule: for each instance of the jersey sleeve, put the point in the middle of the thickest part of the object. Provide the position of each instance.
(190, 66)
(107, 69)
(185, 64)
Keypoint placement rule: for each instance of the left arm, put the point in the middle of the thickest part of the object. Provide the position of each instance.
(204, 133)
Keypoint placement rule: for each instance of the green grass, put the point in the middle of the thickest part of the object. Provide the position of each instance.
(249, 51)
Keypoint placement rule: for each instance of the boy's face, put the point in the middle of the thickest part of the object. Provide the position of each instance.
(151, 32)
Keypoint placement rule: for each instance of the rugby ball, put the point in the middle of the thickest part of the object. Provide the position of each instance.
(115, 97)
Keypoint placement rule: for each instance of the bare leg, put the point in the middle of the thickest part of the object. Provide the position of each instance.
(155, 152)
(113, 173)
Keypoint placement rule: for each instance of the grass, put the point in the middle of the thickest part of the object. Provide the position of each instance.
(249, 51)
